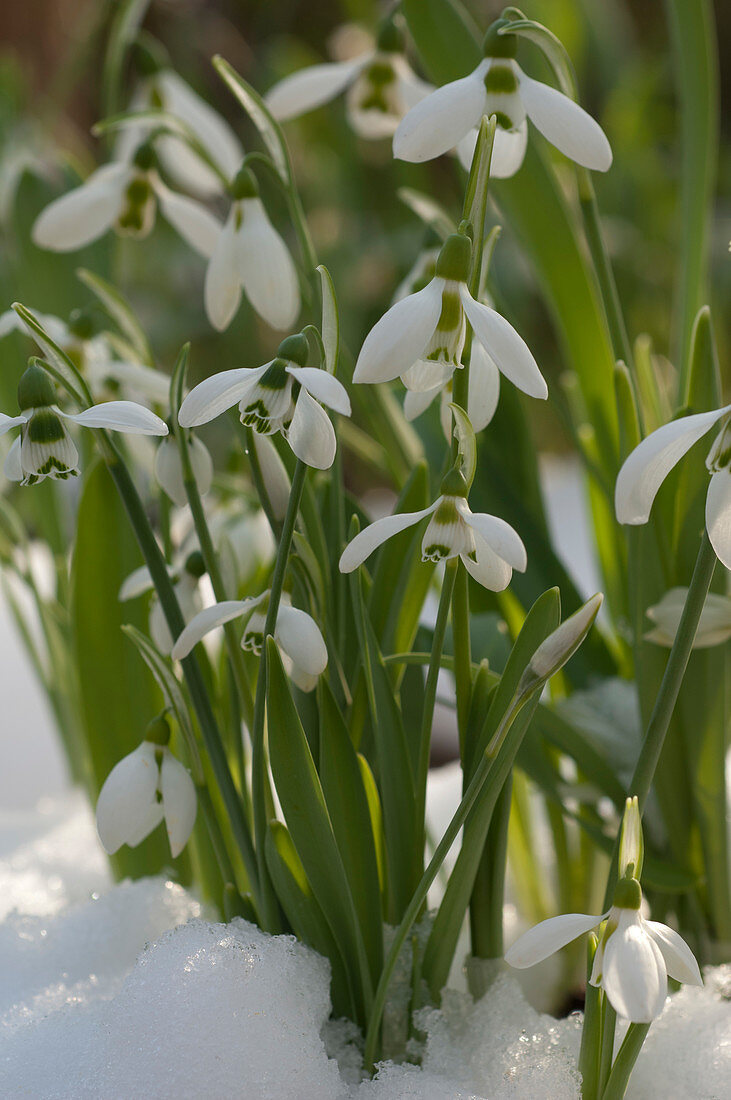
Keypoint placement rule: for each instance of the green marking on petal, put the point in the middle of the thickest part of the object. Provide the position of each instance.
(501, 79)
(45, 427)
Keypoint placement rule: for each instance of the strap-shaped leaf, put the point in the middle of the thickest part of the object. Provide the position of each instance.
(259, 114)
(121, 312)
(446, 36)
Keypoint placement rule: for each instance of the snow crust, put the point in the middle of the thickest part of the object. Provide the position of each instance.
(120, 991)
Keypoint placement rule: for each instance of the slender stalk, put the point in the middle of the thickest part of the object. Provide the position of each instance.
(591, 1033)
(462, 651)
(625, 1062)
(488, 892)
(258, 479)
(606, 1053)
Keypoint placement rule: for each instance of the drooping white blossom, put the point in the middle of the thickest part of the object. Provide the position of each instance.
(169, 468)
(185, 576)
(714, 627)
(450, 115)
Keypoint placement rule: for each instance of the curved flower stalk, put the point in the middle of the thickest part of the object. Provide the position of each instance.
(449, 116)
(186, 583)
(169, 469)
(489, 547)
(645, 469)
(714, 627)
(143, 788)
(247, 254)
(123, 196)
(381, 87)
(421, 337)
(635, 955)
(296, 633)
(281, 396)
(44, 447)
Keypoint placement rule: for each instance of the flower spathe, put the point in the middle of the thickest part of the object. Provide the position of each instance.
(448, 116)
(141, 790)
(714, 626)
(280, 396)
(488, 546)
(646, 468)
(422, 336)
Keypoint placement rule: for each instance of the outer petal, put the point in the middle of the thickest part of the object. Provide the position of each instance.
(311, 434)
(206, 620)
(85, 213)
(169, 469)
(179, 802)
(266, 269)
(213, 132)
(439, 121)
(371, 537)
(128, 795)
(718, 515)
(214, 395)
(299, 636)
(324, 388)
(416, 402)
(120, 416)
(139, 581)
(499, 536)
(508, 151)
(565, 124)
(634, 976)
(484, 390)
(222, 290)
(401, 336)
(8, 422)
(274, 474)
(549, 936)
(311, 87)
(646, 468)
(144, 825)
(192, 221)
(12, 467)
(713, 629)
(503, 344)
(489, 569)
(679, 959)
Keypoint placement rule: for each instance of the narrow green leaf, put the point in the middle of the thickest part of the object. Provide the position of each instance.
(446, 37)
(330, 321)
(259, 114)
(121, 313)
(376, 819)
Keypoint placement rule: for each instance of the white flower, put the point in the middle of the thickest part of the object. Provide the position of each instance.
(269, 402)
(247, 253)
(421, 337)
(44, 447)
(488, 546)
(714, 627)
(143, 788)
(381, 88)
(186, 584)
(482, 398)
(304, 653)
(499, 86)
(169, 468)
(122, 195)
(644, 471)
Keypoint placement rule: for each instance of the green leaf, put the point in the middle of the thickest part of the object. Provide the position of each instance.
(127, 21)
(446, 37)
(120, 312)
(376, 819)
(259, 114)
(330, 321)
(428, 210)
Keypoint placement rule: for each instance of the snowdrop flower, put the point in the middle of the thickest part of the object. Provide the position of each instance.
(44, 447)
(482, 398)
(421, 337)
(652, 460)
(122, 195)
(634, 956)
(489, 547)
(714, 627)
(185, 578)
(281, 396)
(161, 88)
(499, 86)
(247, 254)
(303, 649)
(169, 469)
(143, 788)
(381, 87)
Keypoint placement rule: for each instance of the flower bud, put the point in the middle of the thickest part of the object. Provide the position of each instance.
(631, 844)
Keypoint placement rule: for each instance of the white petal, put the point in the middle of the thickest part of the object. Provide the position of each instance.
(299, 636)
(499, 536)
(371, 537)
(192, 221)
(679, 959)
(401, 336)
(85, 213)
(418, 401)
(8, 422)
(484, 388)
(179, 802)
(12, 467)
(634, 976)
(439, 121)
(169, 469)
(214, 395)
(503, 344)
(209, 127)
(144, 824)
(311, 87)
(548, 937)
(274, 474)
(127, 796)
(303, 680)
(135, 584)
(311, 434)
(152, 384)
(645, 469)
(158, 629)
(324, 388)
(206, 620)
(222, 291)
(718, 515)
(714, 626)
(427, 374)
(565, 124)
(120, 416)
(489, 569)
(266, 269)
(508, 151)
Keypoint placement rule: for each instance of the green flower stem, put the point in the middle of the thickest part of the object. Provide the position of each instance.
(259, 777)
(196, 684)
(603, 268)
(609, 1026)
(625, 1062)
(591, 1032)
(210, 559)
(216, 836)
(462, 651)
